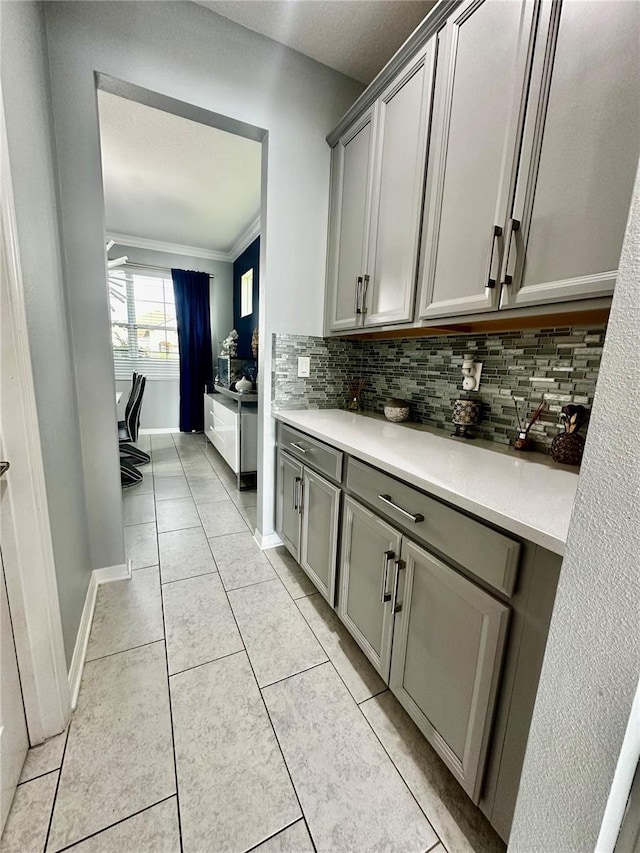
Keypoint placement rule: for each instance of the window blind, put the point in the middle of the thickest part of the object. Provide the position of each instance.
(144, 331)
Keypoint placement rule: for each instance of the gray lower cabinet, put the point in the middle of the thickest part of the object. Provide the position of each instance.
(370, 548)
(448, 645)
(319, 509)
(288, 483)
(307, 517)
(433, 635)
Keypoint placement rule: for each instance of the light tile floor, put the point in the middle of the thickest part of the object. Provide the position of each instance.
(224, 708)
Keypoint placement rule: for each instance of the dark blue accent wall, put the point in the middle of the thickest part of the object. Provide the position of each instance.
(245, 325)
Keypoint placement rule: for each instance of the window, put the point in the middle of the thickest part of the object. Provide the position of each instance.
(246, 294)
(144, 331)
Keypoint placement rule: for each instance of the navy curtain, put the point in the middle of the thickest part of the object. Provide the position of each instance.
(191, 291)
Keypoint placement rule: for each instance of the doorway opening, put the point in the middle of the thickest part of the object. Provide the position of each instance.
(183, 192)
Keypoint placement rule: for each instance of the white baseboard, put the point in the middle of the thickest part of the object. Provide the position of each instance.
(271, 540)
(158, 431)
(98, 577)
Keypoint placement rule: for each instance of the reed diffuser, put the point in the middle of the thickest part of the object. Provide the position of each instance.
(523, 440)
(355, 388)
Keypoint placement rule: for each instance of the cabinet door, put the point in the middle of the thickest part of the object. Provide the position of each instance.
(319, 541)
(369, 548)
(580, 154)
(447, 654)
(352, 170)
(404, 111)
(483, 63)
(288, 485)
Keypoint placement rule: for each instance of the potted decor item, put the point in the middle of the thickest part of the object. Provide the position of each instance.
(466, 413)
(568, 446)
(396, 410)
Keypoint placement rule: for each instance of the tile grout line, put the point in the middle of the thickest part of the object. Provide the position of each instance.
(293, 674)
(55, 795)
(190, 577)
(53, 769)
(274, 834)
(116, 823)
(131, 648)
(166, 662)
(264, 704)
(207, 662)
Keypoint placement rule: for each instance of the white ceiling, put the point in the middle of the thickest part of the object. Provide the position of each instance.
(356, 37)
(173, 180)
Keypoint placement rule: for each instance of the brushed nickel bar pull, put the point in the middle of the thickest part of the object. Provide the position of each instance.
(298, 446)
(512, 226)
(296, 480)
(364, 294)
(396, 608)
(497, 232)
(357, 308)
(386, 558)
(415, 517)
(300, 495)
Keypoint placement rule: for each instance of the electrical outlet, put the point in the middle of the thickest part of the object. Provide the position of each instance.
(304, 366)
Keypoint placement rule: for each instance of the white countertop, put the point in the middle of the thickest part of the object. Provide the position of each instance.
(525, 494)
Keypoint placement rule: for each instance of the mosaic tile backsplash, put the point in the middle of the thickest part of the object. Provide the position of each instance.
(558, 365)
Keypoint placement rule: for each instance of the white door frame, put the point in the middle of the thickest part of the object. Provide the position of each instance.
(24, 522)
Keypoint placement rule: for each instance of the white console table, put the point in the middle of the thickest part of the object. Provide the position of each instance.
(231, 425)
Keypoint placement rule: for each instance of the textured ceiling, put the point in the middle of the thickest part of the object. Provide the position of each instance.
(177, 181)
(356, 37)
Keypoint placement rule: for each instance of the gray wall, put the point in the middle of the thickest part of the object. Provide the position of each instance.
(25, 87)
(161, 405)
(592, 662)
(184, 51)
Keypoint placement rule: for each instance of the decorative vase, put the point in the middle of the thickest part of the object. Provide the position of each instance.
(244, 384)
(567, 448)
(396, 410)
(465, 414)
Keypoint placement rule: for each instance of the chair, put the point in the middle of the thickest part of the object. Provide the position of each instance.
(129, 474)
(129, 427)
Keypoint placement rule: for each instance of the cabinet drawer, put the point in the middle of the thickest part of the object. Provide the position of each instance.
(324, 459)
(224, 414)
(489, 555)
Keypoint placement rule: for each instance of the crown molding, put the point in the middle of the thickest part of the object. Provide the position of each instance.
(172, 248)
(434, 21)
(245, 239)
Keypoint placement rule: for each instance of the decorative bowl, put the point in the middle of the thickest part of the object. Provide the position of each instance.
(396, 410)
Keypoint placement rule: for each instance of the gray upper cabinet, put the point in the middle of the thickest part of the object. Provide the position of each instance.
(320, 507)
(401, 149)
(448, 645)
(482, 73)
(368, 569)
(378, 170)
(351, 178)
(580, 154)
(288, 500)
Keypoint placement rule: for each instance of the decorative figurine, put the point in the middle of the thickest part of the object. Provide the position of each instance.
(230, 344)
(568, 446)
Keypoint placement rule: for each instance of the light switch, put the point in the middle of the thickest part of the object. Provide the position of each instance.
(304, 366)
